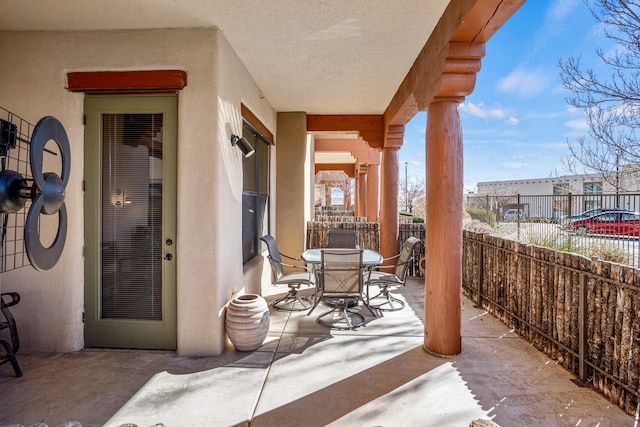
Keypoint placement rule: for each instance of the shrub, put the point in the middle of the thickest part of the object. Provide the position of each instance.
(561, 241)
(608, 252)
(480, 214)
(417, 220)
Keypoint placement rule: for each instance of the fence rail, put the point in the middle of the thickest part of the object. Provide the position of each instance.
(584, 313)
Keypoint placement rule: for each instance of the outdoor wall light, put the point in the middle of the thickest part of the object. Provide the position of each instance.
(243, 144)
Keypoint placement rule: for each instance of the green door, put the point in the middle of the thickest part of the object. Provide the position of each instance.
(130, 221)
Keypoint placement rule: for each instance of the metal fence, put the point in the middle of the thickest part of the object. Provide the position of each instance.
(555, 221)
(581, 312)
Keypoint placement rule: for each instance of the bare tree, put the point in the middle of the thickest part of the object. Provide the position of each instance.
(409, 190)
(611, 105)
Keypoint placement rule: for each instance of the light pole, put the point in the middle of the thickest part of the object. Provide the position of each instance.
(406, 188)
(617, 178)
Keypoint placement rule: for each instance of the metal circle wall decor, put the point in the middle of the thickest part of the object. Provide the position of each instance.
(47, 193)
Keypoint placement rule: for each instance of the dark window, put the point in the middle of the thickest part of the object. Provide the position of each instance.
(592, 188)
(561, 189)
(255, 194)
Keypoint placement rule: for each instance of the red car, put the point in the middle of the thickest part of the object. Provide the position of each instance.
(618, 223)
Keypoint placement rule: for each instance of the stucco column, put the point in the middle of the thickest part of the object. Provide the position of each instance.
(373, 180)
(443, 245)
(291, 154)
(356, 195)
(362, 191)
(389, 202)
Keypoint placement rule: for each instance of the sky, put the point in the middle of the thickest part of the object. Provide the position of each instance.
(516, 123)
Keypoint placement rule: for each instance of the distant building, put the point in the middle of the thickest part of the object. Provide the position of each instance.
(555, 197)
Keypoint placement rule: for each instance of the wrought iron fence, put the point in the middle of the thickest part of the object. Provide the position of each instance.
(581, 312)
(606, 226)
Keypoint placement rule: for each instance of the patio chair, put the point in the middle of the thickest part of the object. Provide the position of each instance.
(7, 300)
(292, 301)
(341, 238)
(384, 281)
(340, 285)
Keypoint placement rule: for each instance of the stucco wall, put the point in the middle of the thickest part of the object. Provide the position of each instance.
(208, 242)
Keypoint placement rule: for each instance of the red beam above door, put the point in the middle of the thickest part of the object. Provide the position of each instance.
(145, 80)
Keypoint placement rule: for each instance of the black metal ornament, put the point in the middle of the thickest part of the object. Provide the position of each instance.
(47, 192)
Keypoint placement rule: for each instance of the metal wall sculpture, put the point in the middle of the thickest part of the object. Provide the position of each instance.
(27, 192)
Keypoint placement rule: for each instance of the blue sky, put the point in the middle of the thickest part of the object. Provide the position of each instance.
(516, 123)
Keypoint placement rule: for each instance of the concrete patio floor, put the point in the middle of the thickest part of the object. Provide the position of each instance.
(307, 375)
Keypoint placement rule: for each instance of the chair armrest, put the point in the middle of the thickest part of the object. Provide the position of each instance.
(15, 298)
(301, 267)
(291, 258)
(390, 258)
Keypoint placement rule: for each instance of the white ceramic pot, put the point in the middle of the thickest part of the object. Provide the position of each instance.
(247, 321)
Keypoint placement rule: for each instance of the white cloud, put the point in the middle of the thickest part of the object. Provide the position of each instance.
(577, 124)
(480, 110)
(525, 83)
(559, 10)
(514, 165)
(512, 121)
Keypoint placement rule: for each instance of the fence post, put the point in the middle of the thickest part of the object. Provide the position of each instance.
(518, 216)
(582, 329)
(480, 274)
(488, 211)
(570, 205)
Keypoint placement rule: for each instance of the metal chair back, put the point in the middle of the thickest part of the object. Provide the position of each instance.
(406, 255)
(341, 272)
(274, 257)
(342, 239)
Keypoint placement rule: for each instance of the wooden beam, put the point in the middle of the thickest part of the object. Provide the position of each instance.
(485, 19)
(471, 22)
(369, 126)
(348, 168)
(257, 124)
(421, 82)
(126, 81)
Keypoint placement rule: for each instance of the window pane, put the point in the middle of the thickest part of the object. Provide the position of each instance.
(593, 188)
(255, 196)
(132, 216)
(249, 208)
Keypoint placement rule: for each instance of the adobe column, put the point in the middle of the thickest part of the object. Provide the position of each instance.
(362, 191)
(389, 202)
(443, 242)
(372, 192)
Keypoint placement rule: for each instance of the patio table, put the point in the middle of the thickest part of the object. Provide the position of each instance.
(313, 258)
(369, 257)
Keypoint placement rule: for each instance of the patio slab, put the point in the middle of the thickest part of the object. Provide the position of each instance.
(307, 374)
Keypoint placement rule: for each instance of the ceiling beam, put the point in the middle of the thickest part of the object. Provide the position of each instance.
(369, 126)
(348, 168)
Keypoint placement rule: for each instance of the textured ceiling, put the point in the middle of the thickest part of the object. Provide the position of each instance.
(322, 56)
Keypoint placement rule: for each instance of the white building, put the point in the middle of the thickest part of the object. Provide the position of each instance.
(554, 197)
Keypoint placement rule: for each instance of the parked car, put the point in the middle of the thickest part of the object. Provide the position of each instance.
(514, 214)
(610, 222)
(592, 212)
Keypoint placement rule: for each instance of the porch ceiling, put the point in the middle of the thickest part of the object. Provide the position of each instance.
(323, 57)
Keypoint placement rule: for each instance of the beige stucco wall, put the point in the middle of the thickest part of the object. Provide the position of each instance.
(293, 181)
(208, 242)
